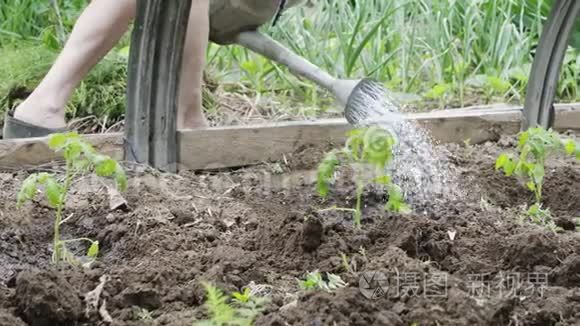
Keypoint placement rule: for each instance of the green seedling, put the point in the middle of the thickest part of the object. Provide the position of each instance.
(241, 312)
(315, 281)
(535, 146)
(143, 314)
(80, 158)
(365, 147)
(242, 297)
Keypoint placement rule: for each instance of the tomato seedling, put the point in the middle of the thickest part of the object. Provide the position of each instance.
(314, 281)
(365, 147)
(80, 157)
(535, 146)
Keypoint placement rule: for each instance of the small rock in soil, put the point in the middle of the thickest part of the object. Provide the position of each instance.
(45, 298)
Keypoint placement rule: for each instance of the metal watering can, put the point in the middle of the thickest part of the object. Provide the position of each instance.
(237, 21)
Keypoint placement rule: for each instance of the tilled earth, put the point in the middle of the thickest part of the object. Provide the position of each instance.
(461, 262)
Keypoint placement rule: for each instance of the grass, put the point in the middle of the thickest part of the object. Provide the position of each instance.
(445, 53)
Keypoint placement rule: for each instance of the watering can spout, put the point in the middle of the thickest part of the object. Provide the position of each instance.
(343, 89)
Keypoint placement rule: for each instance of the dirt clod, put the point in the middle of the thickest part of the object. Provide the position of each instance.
(45, 298)
(565, 223)
(312, 231)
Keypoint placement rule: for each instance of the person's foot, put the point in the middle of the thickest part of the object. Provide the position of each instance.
(40, 114)
(192, 119)
(192, 123)
(43, 115)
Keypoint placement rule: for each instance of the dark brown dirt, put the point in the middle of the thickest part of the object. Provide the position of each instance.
(46, 298)
(463, 262)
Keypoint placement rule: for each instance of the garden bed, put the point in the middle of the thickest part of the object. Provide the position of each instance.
(259, 227)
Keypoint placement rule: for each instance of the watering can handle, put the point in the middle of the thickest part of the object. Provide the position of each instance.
(228, 18)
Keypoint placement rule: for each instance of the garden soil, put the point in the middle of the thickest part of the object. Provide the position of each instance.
(458, 262)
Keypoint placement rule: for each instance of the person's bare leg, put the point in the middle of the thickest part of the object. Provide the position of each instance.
(190, 111)
(97, 30)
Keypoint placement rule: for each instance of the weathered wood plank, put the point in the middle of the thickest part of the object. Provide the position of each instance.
(140, 84)
(154, 72)
(228, 147)
(233, 146)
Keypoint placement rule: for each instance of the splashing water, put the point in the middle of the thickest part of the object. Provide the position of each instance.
(423, 174)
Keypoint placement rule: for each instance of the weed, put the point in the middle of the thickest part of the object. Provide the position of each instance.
(469, 149)
(143, 314)
(372, 146)
(345, 263)
(242, 312)
(315, 281)
(80, 157)
(363, 252)
(535, 146)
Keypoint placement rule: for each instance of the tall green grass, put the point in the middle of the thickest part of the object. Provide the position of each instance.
(444, 52)
(450, 51)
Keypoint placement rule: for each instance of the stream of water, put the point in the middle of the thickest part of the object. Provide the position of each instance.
(418, 168)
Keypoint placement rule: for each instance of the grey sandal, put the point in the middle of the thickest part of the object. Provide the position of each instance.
(14, 129)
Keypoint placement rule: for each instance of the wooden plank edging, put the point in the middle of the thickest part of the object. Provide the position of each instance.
(234, 146)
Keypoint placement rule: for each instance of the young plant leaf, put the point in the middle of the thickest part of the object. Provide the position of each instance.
(72, 151)
(53, 192)
(93, 249)
(383, 179)
(120, 177)
(378, 146)
(570, 147)
(242, 297)
(501, 161)
(325, 173)
(28, 190)
(57, 141)
(105, 167)
(396, 203)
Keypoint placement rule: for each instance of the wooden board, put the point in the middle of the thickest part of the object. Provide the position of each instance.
(154, 65)
(234, 146)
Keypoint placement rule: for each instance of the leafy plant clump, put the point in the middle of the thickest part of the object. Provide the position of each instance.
(239, 310)
(365, 147)
(315, 281)
(80, 158)
(535, 146)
